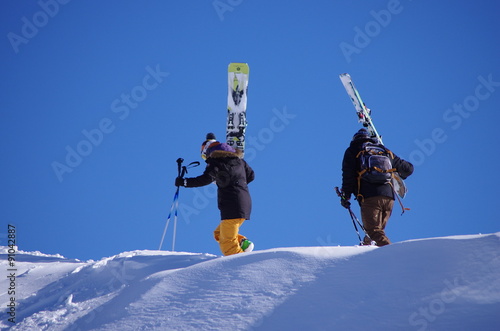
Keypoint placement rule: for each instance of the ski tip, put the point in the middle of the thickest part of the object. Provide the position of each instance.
(239, 67)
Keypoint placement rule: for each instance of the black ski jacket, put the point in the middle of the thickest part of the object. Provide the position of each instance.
(231, 174)
(351, 166)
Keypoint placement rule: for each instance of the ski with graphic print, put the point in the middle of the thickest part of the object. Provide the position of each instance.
(364, 117)
(236, 124)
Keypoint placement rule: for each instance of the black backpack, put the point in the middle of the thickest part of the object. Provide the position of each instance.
(375, 164)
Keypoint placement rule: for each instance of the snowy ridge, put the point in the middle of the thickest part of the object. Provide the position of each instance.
(429, 284)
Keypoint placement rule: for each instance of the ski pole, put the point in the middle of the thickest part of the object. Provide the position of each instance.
(182, 174)
(174, 202)
(353, 217)
(181, 171)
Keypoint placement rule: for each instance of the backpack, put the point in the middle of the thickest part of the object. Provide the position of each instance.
(375, 164)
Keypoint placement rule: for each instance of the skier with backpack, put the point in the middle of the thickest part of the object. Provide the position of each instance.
(367, 170)
(232, 175)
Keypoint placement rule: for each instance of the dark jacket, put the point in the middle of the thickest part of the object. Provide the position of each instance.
(231, 174)
(351, 166)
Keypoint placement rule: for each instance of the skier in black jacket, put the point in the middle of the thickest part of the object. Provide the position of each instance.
(231, 174)
(375, 200)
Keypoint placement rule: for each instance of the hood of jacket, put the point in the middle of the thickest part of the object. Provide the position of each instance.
(221, 154)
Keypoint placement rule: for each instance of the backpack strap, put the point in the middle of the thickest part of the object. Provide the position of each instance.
(359, 195)
(360, 173)
(384, 171)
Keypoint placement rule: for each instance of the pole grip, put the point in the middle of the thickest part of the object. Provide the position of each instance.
(179, 166)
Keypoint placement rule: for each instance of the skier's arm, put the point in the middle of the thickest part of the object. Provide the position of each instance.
(249, 173)
(349, 176)
(206, 178)
(403, 167)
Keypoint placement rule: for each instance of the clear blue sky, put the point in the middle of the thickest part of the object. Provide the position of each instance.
(99, 99)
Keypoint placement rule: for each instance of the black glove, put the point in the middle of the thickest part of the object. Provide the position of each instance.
(179, 181)
(345, 203)
(344, 200)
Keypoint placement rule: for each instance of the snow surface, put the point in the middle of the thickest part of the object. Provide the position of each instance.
(450, 283)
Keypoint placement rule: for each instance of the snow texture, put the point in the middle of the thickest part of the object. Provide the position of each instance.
(450, 283)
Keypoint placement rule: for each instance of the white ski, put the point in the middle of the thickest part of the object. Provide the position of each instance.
(237, 105)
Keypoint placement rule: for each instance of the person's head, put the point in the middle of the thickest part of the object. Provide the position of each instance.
(362, 134)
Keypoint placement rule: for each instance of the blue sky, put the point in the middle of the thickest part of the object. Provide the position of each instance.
(99, 99)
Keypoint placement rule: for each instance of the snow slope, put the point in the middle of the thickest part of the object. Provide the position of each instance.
(450, 283)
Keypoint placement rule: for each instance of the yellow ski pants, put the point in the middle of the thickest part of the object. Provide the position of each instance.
(226, 234)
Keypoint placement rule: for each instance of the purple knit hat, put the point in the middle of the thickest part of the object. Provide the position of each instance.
(220, 147)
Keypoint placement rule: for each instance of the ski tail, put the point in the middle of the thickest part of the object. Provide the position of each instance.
(364, 114)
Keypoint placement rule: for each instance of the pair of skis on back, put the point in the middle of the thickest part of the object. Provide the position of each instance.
(236, 124)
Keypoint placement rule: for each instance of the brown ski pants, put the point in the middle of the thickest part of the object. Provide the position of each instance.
(375, 212)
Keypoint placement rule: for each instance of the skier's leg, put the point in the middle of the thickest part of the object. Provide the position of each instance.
(368, 217)
(229, 239)
(372, 217)
(387, 205)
